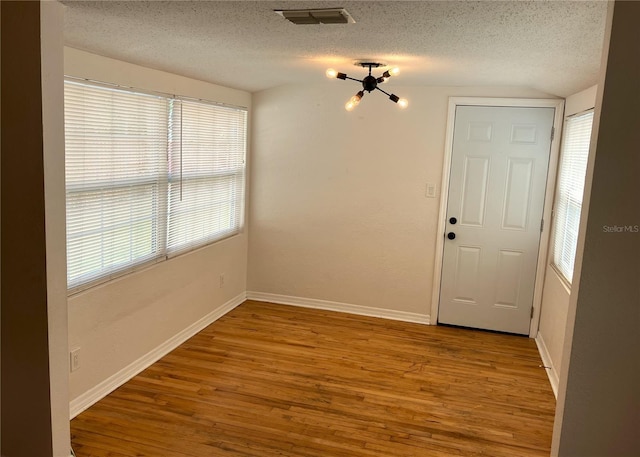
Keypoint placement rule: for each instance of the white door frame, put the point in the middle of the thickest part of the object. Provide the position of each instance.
(454, 102)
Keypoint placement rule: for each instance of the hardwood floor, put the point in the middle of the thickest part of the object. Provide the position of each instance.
(272, 380)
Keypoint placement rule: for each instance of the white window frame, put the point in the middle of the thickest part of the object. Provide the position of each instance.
(161, 211)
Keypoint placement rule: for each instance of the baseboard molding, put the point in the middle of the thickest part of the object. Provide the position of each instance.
(548, 363)
(340, 307)
(84, 401)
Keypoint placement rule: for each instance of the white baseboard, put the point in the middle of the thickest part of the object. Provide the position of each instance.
(548, 363)
(340, 307)
(93, 395)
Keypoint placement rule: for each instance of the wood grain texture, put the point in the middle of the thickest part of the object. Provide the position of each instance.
(273, 380)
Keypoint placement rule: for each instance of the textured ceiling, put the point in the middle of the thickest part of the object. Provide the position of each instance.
(553, 46)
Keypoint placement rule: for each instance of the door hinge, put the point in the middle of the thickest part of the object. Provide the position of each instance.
(553, 133)
(531, 317)
(541, 225)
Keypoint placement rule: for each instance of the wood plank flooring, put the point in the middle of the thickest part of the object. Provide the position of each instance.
(272, 380)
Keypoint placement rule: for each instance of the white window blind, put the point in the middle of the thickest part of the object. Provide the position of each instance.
(206, 173)
(116, 144)
(147, 176)
(572, 170)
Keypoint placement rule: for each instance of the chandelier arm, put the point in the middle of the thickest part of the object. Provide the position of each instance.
(386, 93)
(353, 79)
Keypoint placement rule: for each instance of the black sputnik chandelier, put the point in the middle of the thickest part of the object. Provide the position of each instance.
(369, 84)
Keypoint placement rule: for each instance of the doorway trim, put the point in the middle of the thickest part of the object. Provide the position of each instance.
(454, 102)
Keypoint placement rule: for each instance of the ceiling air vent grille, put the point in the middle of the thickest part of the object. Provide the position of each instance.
(321, 16)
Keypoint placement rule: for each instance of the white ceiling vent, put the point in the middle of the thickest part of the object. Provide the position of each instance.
(320, 16)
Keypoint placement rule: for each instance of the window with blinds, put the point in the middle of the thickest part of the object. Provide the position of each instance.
(147, 176)
(206, 173)
(572, 171)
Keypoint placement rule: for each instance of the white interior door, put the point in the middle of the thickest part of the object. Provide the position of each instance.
(497, 184)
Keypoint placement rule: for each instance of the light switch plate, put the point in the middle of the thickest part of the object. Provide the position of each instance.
(430, 190)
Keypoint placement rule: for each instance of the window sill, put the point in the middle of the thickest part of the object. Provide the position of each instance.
(564, 281)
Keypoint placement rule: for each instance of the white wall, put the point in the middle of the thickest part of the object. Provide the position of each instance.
(119, 326)
(581, 101)
(555, 295)
(51, 26)
(338, 207)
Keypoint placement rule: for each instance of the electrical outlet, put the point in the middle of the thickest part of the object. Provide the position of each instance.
(221, 280)
(74, 356)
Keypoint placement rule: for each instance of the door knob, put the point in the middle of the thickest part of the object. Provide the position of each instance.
(451, 236)
(453, 220)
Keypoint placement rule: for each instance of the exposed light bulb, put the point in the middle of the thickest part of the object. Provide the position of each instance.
(354, 101)
(331, 73)
(395, 71)
(403, 103)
